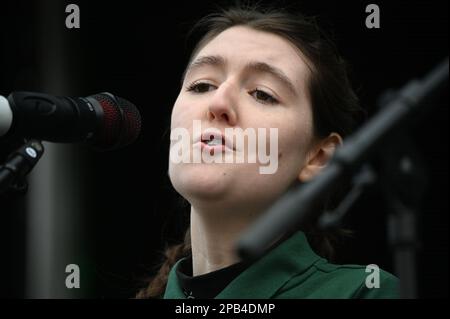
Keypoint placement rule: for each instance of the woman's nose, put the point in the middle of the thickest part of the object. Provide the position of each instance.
(222, 105)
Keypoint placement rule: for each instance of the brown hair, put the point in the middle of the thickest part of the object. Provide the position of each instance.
(335, 105)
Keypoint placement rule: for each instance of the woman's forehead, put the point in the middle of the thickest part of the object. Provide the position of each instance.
(241, 45)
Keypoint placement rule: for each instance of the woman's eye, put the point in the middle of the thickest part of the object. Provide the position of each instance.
(263, 97)
(200, 87)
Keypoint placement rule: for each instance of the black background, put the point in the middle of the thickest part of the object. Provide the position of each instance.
(138, 50)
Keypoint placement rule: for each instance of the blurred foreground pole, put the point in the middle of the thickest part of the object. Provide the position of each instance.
(54, 197)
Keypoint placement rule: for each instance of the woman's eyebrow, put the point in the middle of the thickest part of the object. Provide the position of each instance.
(209, 60)
(273, 71)
(263, 67)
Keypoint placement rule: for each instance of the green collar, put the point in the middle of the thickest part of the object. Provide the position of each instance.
(263, 278)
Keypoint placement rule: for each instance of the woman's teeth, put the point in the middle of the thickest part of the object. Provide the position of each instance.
(214, 142)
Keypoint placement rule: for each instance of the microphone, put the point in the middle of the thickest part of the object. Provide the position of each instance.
(104, 121)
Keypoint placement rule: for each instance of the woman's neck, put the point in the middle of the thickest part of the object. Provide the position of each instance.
(213, 236)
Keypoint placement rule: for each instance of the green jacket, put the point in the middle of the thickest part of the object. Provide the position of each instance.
(292, 270)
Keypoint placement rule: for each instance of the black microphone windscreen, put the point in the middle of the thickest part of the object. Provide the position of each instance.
(121, 123)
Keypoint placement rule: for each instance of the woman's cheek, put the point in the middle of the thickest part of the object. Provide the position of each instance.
(185, 110)
(180, 117)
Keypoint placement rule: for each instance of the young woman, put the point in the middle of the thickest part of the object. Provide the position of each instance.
(258, 69)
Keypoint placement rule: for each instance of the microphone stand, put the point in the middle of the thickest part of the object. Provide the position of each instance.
(401, 172)
(18, 164)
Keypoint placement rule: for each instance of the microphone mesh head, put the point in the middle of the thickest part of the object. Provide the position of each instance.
(121, 123)
(132, 119)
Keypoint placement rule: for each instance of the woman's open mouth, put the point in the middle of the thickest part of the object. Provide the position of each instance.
(213, 142)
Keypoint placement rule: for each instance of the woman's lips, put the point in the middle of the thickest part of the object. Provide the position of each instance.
(212, 149)
(219, 142)
(215, 148)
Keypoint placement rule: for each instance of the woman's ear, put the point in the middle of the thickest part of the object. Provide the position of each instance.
(319, 156)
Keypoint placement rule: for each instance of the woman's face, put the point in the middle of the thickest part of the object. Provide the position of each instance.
(245, 79)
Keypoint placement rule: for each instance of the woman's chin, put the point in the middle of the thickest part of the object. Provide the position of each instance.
(201, 181)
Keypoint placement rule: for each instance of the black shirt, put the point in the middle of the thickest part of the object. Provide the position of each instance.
(209, 285)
